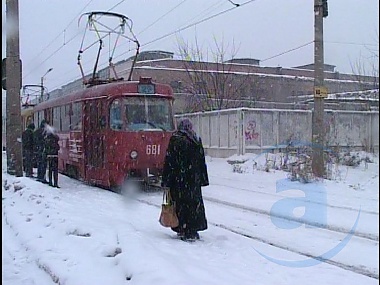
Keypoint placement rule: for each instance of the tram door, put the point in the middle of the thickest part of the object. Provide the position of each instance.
(94, 142)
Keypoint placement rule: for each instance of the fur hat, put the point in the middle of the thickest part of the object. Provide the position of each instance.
(44, 123)
(31, 126)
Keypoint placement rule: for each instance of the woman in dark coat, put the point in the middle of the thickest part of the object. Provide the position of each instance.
(184, 173)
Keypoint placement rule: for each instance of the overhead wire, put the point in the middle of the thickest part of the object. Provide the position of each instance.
(350, 43)
(287, 51)
(161, 17)
(156, 22)
(197, 23)
(193, 24)
(59, 35)
(57, 86)
(113, 7)
(71, 39)
(204, 12)
(206, 19)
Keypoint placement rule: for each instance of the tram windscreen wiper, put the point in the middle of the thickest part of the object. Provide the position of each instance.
(154, 126)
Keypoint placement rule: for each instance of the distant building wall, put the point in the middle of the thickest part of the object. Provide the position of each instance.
(239, 131)
(261, 84)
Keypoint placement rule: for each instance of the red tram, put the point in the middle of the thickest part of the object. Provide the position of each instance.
(110, 133)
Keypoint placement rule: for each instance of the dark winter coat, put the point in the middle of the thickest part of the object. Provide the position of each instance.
(39, 139)
(51, 144)
(184, 173)
(28, 138)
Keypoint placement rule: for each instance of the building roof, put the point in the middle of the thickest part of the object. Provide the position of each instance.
(327, 67)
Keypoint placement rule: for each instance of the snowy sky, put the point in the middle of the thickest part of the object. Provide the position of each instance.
(84, 235)
(50, 35)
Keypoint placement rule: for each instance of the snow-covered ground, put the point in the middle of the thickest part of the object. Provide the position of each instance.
(263, 229)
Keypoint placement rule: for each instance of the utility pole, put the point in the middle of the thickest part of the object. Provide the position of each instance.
(13, 86)
(320, 91)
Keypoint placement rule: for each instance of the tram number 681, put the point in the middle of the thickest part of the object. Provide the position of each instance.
(153, 149)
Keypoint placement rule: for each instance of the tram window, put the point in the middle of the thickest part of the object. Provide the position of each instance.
(141, 113)
(76, 118)
(38, 117)
(36, 122)
(159, 114)
(57, 118)
(65, 117)
(116, 122)
(135, 113)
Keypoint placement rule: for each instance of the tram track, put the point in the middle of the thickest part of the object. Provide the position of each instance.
(277, 195)
(352, 268)
(332, 228)
(356, 269)
(294, 219)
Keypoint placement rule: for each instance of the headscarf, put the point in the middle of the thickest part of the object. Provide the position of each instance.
(186, 126)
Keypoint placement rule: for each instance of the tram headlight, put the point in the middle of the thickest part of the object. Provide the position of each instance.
(133, 154)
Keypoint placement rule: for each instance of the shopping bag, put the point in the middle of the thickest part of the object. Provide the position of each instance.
(168, 216)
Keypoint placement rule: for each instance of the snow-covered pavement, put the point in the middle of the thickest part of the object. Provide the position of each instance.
(79, 235)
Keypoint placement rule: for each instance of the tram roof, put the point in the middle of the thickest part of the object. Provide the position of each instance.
(105, 90)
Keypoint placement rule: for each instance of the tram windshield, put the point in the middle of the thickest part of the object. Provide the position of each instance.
(141, 113)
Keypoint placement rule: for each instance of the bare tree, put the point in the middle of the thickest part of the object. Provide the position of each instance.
(365, 67)
(212, 84)
(367, 77)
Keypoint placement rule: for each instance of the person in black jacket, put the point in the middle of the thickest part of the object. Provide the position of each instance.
(39, 144)
(51, 150)
(184, 172)
(28, 149)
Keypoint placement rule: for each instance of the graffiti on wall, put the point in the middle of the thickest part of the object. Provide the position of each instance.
(235, 128)
(250, 131)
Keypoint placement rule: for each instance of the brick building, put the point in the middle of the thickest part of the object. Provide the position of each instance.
(263, 86)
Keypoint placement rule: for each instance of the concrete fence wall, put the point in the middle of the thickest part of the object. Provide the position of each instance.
(245, 130)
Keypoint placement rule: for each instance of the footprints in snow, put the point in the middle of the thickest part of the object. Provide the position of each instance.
(115, 252)
(16, 185)
(38, 199)
(111, 252)
(78, 233)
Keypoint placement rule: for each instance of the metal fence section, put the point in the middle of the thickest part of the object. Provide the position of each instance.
(247, 130)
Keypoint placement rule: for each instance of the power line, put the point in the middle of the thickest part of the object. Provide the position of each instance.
(54, 53)
(115, 5)
(160, 18)
(290, 50)
(72, 38)
(236, 4)
(351, 43)
(181, 29)
(64, 30)
(306, 44)
(203, 20)
(206, 11)
(193, 24)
